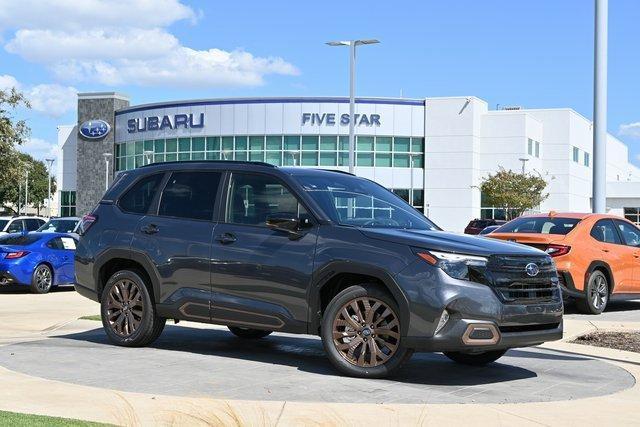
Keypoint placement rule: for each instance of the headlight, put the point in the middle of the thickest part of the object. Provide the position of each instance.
(458, 266)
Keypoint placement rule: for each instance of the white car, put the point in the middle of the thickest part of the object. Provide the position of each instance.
(19, 224)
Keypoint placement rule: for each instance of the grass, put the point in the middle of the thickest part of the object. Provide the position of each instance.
(95, 317)
(15, 419)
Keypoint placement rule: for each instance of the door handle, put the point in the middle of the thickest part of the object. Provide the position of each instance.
(226, 238)
(605, 250)
(636, 255)
(149, 229)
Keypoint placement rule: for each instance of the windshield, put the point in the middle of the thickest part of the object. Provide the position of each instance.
(59, 226)
(19, 239)
(358, 202)
(539, 225)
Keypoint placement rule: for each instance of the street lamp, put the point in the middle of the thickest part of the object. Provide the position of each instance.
(524, 162)
(147, 156)
(352, 81)
(50, 162)
(294, 155)
(107, 156)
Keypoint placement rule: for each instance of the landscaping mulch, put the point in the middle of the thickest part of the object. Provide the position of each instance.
(629, 341)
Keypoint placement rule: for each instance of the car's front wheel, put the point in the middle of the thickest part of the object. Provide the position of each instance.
(475, 359)
(596, 294)
(128, 314)
(361, 333)
(41, 279)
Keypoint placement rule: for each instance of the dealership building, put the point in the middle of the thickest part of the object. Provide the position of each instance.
(433, 152)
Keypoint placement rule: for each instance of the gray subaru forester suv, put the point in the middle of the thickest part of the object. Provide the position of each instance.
(260, 248)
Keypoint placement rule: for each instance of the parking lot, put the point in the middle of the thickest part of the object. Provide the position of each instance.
(208, 361)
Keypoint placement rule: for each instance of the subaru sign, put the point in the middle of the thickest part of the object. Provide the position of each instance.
(94, 129)
(185, 121)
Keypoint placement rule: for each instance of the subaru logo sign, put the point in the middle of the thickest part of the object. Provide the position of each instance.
(94, 129)
(532, 269)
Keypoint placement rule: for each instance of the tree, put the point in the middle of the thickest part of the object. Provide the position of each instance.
(514, 192)
(38, 184)
(12, 132)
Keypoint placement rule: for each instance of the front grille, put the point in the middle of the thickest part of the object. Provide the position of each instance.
(508, 277)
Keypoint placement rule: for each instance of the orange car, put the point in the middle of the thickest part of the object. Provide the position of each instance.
(597, 256)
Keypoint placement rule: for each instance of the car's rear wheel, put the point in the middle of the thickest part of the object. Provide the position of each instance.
(596, 294)
(41, 279)
(248, 333)
(128, 314)
(361, 333)
(475, 359)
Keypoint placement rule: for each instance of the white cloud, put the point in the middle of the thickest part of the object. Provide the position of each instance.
(40, 149)
(630, 129)
(54, 100)
(77, 15)
(128, 44)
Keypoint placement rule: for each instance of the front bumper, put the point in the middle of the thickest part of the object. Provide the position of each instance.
(430, 291)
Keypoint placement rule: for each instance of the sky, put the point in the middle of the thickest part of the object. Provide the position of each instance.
(535, 54)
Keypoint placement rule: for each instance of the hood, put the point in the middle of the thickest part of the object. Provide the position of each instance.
(450, 242)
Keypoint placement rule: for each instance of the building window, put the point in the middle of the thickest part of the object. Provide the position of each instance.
(576, 154)
(633, 215)
(587, 159)
(533, 148)
(418, 197)
(67, 203)
(288, 150)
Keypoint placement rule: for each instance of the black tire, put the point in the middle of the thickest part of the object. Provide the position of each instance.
(248, 333)
(475, 359)
(149, 324)
(41, 279)
(596, 294)
(396, 352)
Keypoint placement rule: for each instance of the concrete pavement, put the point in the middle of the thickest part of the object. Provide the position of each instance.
(46, 323)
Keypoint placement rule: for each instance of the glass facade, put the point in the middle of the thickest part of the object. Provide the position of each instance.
(633, 215)
(67, 203)
(279, 150)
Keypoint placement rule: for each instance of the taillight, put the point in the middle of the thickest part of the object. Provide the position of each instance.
(16, 255)
(557, 250)
(85, 223)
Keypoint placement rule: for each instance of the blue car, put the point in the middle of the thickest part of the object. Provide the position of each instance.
(38, 260)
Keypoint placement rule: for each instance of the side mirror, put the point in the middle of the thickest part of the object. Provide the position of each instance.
(283, 222)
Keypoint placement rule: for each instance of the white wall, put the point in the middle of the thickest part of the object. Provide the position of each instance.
(66, 168)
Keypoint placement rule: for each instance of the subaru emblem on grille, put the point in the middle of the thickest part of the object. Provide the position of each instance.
(532, 269)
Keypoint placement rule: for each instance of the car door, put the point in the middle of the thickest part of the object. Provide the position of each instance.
(630, 236)
(68, 248)
(260, 276)
(58, 257)
(177, 237)
(610, 249)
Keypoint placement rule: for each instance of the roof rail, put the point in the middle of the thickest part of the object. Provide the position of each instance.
(233, 162)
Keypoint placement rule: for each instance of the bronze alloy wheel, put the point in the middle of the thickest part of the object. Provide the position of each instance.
(366, 332)
(125, 307)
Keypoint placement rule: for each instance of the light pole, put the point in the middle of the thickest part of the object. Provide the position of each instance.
(50, 163)
(352, 82)
(26, 192)
(524, 162)
(293, 157)
(147, 156)
(600, 108)
(107, 156)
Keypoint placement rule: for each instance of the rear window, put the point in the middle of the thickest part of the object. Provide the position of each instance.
(539, 225)
(479, 223)
(19, 240)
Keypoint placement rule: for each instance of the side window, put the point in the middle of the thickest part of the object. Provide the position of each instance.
(54, 243)
(32, 224)
(68, 243)
(15, 226)
(190, 195)
(630, 234)
(604, 231)
(253, 197)
(138, 199)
